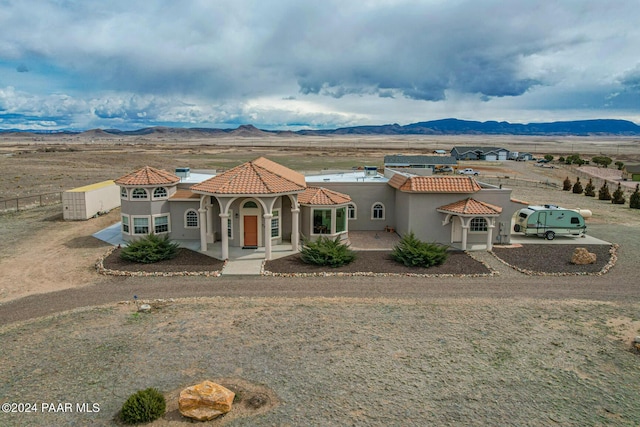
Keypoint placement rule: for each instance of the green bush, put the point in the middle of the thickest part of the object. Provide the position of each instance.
(577, 187)
(326, 252)
(618, 196)
(150, 249)
(143, 406)
(634, 200)
(603, 193)
(619, 164)
(566, 184)
(413, 252)
(589, 189)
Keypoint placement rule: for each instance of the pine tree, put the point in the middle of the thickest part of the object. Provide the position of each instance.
(566, 184)
(634, 200)
(577, 187)
(618, 196)
(589, 189)
(603, 193)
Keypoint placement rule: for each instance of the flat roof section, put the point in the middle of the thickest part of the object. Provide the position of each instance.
(358, 176)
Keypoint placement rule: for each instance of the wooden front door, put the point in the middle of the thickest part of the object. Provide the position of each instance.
(251, 230)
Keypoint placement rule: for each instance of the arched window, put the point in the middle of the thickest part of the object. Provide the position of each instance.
(160, 193)
(139, 193)
(377, 211)
(191, 219)
(250, 204)
(123, 193)
(478, 224)
(353, 211)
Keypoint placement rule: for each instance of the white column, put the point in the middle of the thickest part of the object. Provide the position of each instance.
(224, 219)
(491, 224)
(465, 231)
(209, 222)
(203, 229)
(295, 229)
(267, 235)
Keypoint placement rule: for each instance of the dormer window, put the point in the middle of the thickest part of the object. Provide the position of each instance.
(139, 193)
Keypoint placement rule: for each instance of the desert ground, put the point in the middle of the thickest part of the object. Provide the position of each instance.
(509, 349)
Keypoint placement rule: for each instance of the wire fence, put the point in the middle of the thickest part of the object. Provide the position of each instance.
(517, 182)
(28, 202)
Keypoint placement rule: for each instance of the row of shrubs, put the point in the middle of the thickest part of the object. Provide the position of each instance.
(409, 251)
(617, 198)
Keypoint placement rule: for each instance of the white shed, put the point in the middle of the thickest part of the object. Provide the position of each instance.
(85, 202)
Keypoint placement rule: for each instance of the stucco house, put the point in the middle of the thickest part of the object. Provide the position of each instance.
(480, 153)
(631, 172)
(262, 203)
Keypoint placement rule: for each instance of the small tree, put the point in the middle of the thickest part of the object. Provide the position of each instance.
(561, 159)
(619, 164)
(577, 187)
(603, 193)
(634, 200)
(618, 196)
(413, 252)
(150, 249)
(548, 157)
(589, 189)
(566, 184)
(326, 252)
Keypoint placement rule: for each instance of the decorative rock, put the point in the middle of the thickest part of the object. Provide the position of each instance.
(144, 308)
(205, 401)
(582, 256)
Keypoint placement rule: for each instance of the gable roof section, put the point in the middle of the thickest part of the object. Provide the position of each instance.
(148, 176)
(322, 197)
(483, 150)
(184, 195)
(470, 206)
(632, 168)
(259, 176)
(435, 184)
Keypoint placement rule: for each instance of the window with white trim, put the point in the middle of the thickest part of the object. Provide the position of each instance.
(191, 219)
(139, 193)
(275, 223)
(353, 211)
(161, 224)
(377, 211)
(141, 225)
(160, 193)
(230, 225)
(341, 220)
(322, 221)
(478, 225)
(125, 224)
(123, 193)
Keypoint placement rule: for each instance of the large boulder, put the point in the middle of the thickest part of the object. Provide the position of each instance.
(582, 256)
(205, 401)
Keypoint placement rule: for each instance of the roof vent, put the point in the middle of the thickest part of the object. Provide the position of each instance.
(370, 171)
(183, 173)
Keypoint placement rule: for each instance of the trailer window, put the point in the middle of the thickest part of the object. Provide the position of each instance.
(575, 220)
(523, 215)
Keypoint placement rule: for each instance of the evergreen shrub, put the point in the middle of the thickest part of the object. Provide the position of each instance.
(413, 252)
(143, 406)
(589, 189)
(618, 196)
(577, 187)
(326, 252)
(150, 249)
(603, 193)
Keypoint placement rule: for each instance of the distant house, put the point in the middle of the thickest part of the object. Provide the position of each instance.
(480, 153)
(418, 162)
(631, 173)
(524, 156)
(262, 204)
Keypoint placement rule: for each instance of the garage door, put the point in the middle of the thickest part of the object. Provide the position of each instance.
(491, 157)
(502, 155)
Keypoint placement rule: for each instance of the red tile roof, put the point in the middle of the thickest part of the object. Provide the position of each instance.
(148, 176)
(185, 194)
(323, 197)
(471, 206)
(435, 184)
(259, 176)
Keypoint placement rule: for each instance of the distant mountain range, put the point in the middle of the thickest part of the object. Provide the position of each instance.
(434, 127)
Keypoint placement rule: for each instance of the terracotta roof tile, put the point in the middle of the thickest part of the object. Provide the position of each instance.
(148, 176)
(185, 194)
(322, 196)
(436, 184)
(471, 206)
(397, 180)
(260, 176)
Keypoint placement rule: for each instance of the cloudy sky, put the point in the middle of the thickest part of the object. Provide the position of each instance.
(291, 64)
